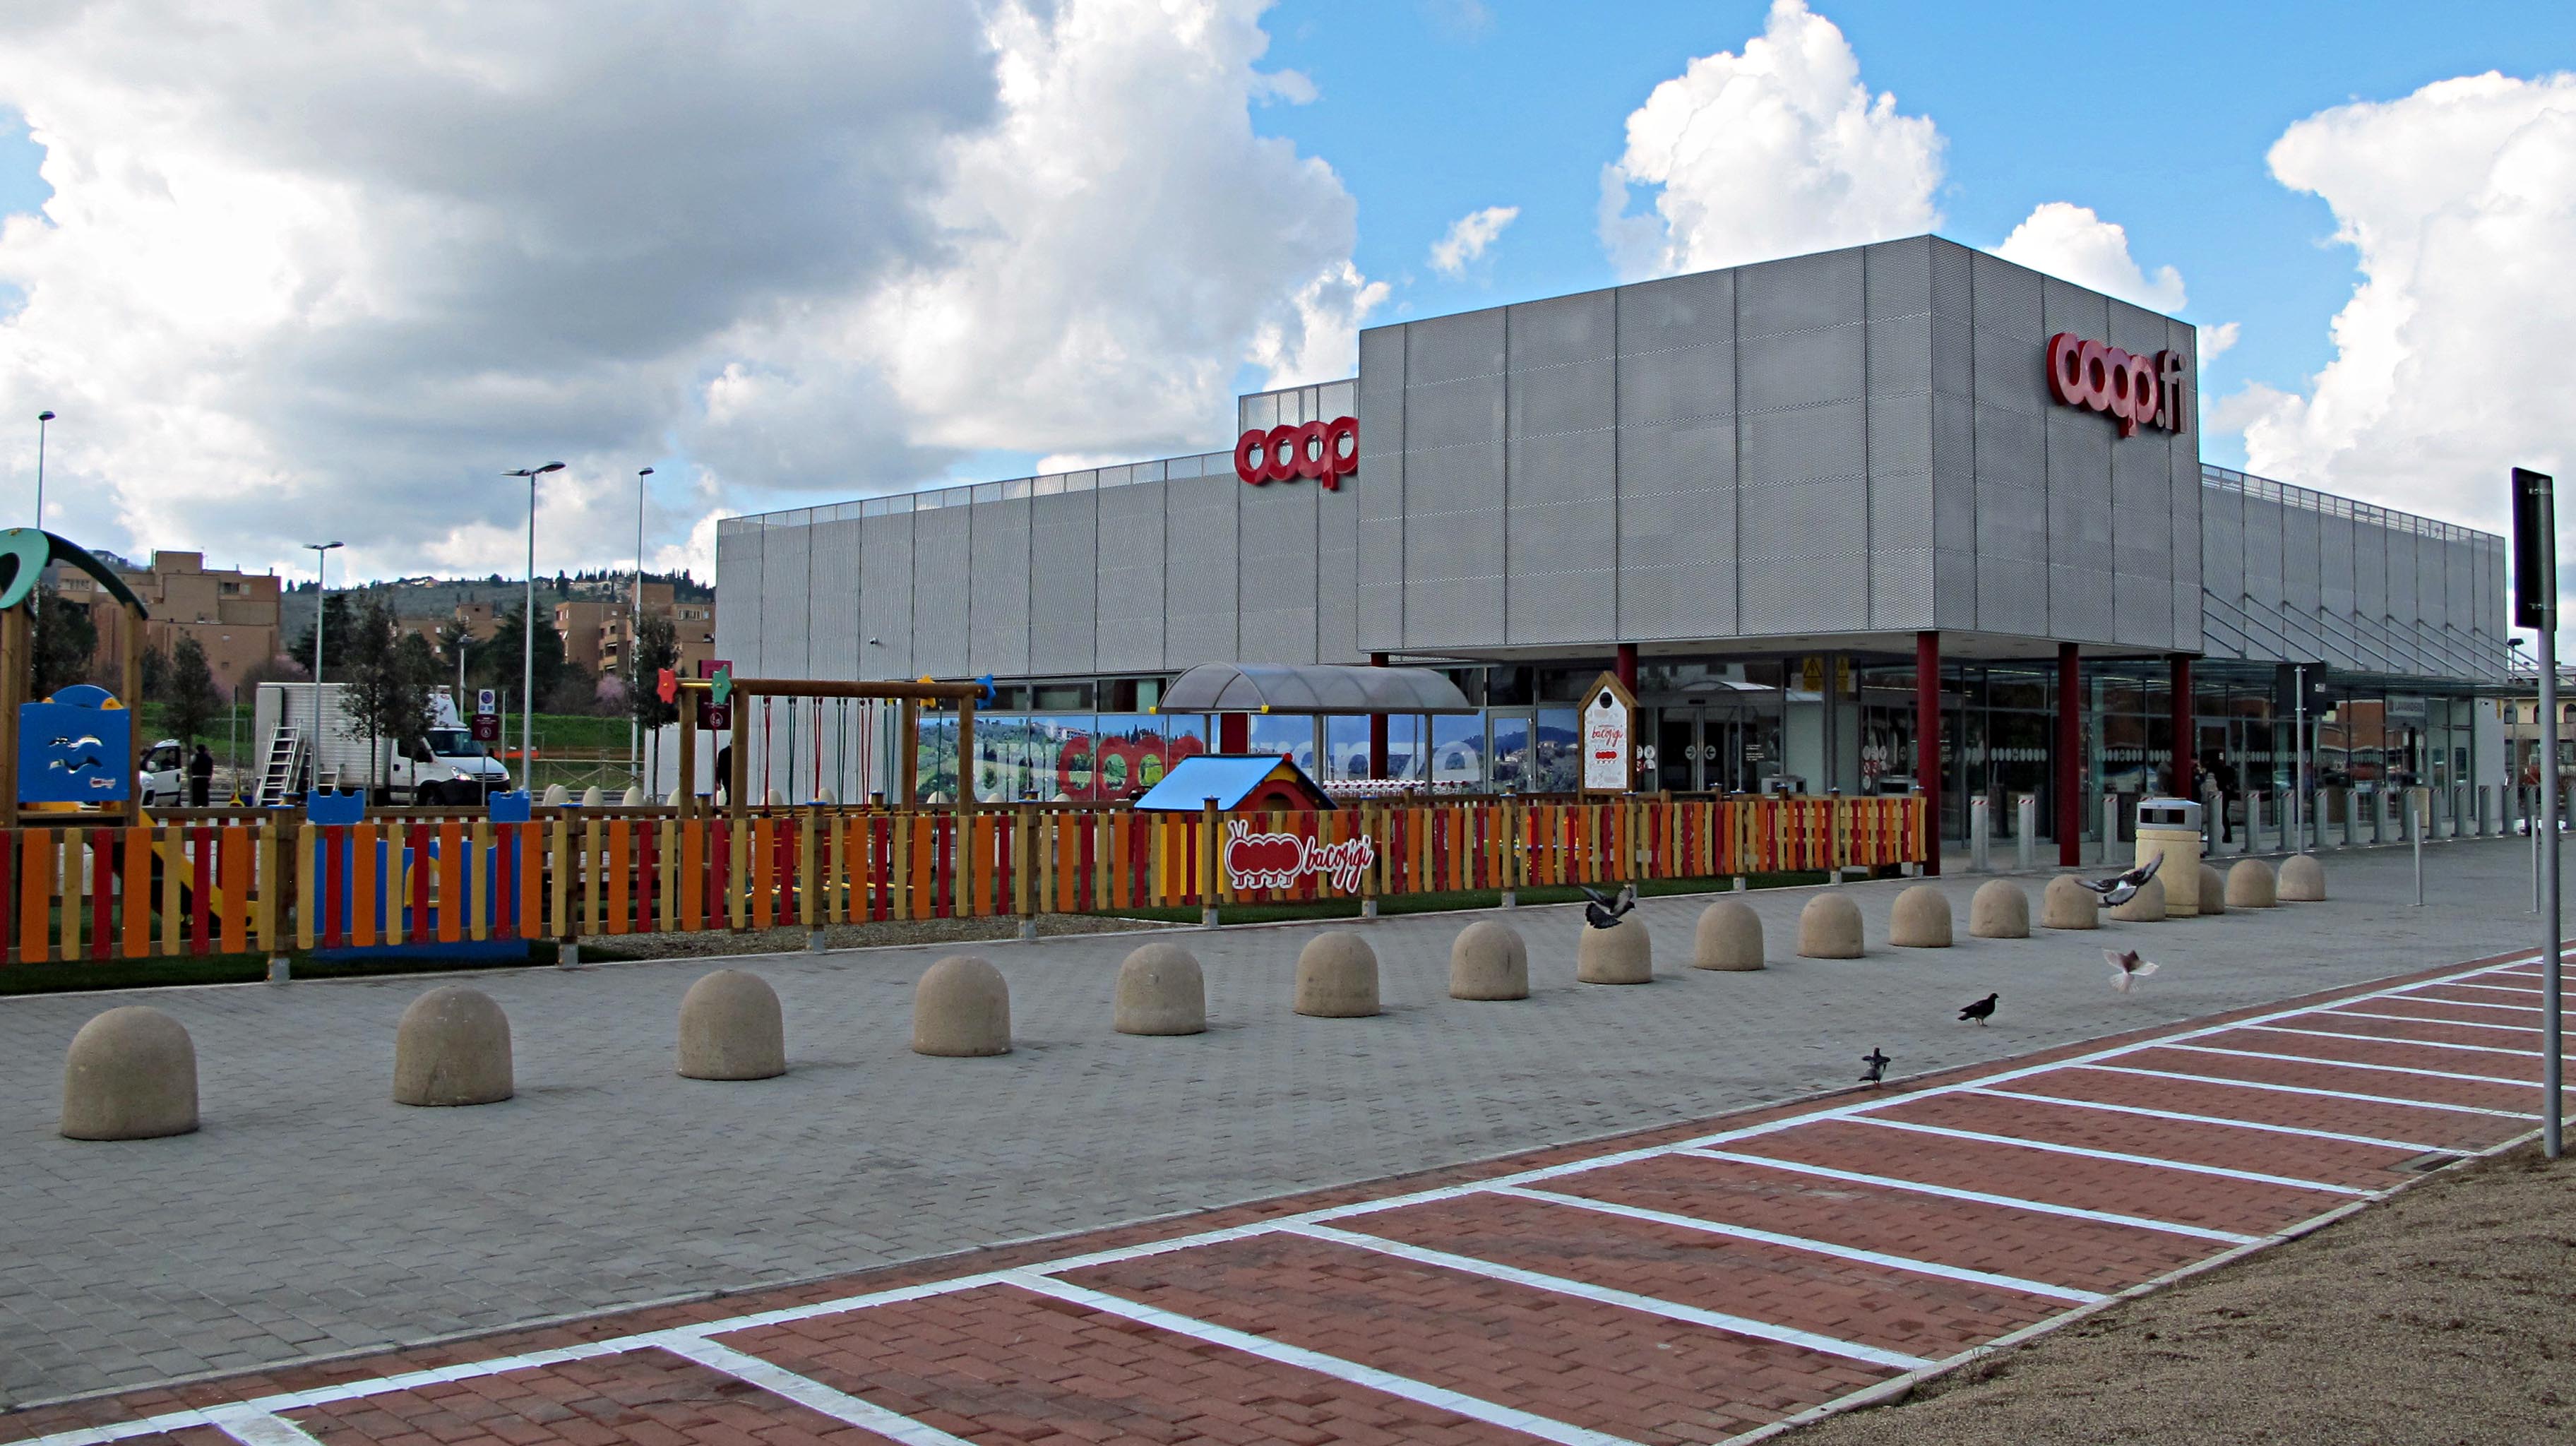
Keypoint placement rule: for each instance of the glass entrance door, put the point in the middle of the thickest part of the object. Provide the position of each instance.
(1677, 750)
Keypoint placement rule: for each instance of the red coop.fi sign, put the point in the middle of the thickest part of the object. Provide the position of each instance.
(1323, 452)
(2130, 387)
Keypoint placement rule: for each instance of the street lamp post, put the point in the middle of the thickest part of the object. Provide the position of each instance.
(42, 418)
(635, 636)
(528, 638)
(313, 750)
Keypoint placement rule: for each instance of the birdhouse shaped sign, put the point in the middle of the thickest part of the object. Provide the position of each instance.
(1609, 736)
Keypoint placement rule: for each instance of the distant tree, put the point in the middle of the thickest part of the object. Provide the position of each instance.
(338, 620)
(156, 674)
(496, 663)
(188, 697)
(65, 639)
(387, 692)
(657, 646)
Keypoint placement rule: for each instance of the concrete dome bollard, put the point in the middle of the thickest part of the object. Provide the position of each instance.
(1829, 928)
(1161, 991)
(673, 800)
(1624, 953)
(1337, 977)
(2303, 880)
(557, 796)
(1920, 919)
(452, 1048)
(731, 1028)
(591, 797)
(2213, 890)
(2146, 906)
(2067, 904)
(1999, 910)
(633, 797)
(1729, 936)
(2250, 886)
(1488, 961)
(961, 1009)
(777, 799)
(131, 1074)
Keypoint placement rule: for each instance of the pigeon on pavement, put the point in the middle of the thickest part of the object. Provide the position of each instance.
(1604, 911)
(2121, 888)
(1982, 1010)
(1878, 1062)
(2126, 967)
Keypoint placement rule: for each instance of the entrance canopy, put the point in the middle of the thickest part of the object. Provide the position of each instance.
(1283, 688)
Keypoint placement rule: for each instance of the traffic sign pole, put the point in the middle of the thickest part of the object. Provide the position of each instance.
(2535, 606)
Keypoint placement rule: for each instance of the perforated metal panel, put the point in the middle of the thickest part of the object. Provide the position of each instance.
(885, 596)
(1562, 538)
(1128, 635)
(2263, 547)
(1064, 579)
(2299, 570)
(1791, 594)
(1680, 311)
(2006, 306)
(998, 639)
(1337, 575)
(738, 590)
(1563, 329)
(1199, 583)
(940, 592)
(1801, 368)
(1564, 397)
(2079, 604)
(2222, 543)
(1680, 384)
(785, 606)
(832, 643)
(2335, 586)
(1951, 265)
(1802, 444)
(1954, 476)
(1276, 571)
(1802, 293)
(2064, 306)
(1450, 348)
(1898, 277)
(2432, 595)
(1378, 493)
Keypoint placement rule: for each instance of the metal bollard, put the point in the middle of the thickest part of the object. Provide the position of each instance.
(2025, 824)
(2312, 834)
(1980, 836)
(2110, 827)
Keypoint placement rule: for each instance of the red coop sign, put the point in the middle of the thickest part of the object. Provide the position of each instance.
(1323, 452)
(2131, 388)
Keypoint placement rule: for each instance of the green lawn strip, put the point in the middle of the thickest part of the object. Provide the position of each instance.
(77, 976)
(1446, 900)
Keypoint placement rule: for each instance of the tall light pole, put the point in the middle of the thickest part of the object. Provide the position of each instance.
(528, 638)
(42, 418)
(313, 750)
(635, 636)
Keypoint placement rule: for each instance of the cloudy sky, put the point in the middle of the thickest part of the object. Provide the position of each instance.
(295, 269)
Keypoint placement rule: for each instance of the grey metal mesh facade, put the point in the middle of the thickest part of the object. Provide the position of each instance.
(1858, 443)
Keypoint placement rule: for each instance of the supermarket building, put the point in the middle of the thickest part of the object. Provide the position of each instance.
(1897, 515)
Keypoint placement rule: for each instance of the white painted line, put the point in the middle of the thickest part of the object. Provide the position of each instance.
(2153, 1161)
(2256, 1084)
(1625, 1300)
(2177, 1115)
(2470, 1004)
(1979, 1197)
(1811, 1246)
(2385, 1039)
(807, 1392)
(2500, 988)
(259, 1428)
(2522, 1084)
(2428, 1019)
(1459, 1403)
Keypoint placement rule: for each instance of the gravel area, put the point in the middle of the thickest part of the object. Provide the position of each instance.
(2444, 1316)
(790, 939)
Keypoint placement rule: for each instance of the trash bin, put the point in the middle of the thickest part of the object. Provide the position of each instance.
(2169, 828)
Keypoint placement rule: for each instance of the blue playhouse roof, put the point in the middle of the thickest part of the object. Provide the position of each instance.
(1229, 778)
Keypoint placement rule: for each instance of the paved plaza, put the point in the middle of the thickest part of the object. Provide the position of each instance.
(311, 1217)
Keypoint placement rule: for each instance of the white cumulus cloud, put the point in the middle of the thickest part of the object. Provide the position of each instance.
(2459, 203)
(1773, 152)
(1468, 237)
(329, 269)
(2074, 244)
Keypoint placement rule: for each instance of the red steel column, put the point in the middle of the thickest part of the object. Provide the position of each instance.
(1377, 730)
(1233, 733)
(2070, 763)
(1626, 668)
(2186, 730)
(1927, 737)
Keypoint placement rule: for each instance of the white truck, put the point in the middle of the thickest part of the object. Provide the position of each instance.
(440, 764)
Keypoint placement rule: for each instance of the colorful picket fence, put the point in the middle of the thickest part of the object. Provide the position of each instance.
(235, 887)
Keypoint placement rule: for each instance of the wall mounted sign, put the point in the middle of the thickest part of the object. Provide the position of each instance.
(1280, 860)
(1323, 452)
(2131, 388)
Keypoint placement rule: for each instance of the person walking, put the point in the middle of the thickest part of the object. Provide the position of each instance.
(201, 776)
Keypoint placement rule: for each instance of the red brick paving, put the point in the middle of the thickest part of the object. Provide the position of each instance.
(2335, 1162)
(1869, 1304)
(2083, 1254)
(648, 1397)
(1640, 1376)
(2499, 1059)
(2478, 1033)
(997, 1364)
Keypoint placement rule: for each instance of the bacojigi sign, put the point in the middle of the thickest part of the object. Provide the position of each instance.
(1280, 860)
(2130, 387)
(1323, 452)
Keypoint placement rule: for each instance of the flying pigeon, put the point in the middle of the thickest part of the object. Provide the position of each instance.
(2124, 887)
(2126, 967)
(1982, 1010)
(1604, 912)
(1878, 1062)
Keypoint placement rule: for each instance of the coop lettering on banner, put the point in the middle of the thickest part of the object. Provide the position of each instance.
(1281, 860)
(1323, 452)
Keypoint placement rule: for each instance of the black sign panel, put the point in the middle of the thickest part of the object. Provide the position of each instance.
(2535, 550)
